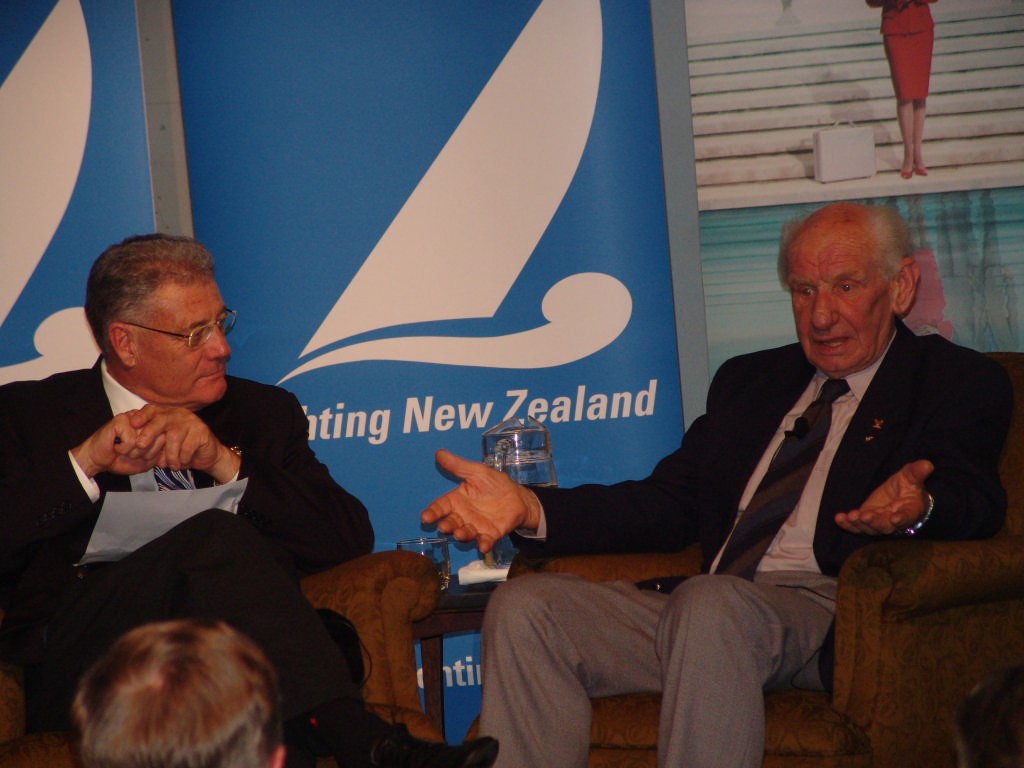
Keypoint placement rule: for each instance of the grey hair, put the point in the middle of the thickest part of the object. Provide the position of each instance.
(891, 240)
(125, 276)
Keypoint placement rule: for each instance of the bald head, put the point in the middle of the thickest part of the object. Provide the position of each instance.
(880, 230)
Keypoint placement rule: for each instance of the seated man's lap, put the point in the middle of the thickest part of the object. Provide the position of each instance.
(603, 630)
(772, 627)
(213, 565)
(608, 631)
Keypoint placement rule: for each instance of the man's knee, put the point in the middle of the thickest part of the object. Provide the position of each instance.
(711, 601)
(523, 601)
(220, 538)
(213, 522)
(216, 530)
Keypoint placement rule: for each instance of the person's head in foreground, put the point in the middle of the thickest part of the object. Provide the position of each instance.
(180, 694)
(990, 722)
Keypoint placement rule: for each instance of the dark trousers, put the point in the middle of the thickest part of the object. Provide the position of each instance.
(214, 565)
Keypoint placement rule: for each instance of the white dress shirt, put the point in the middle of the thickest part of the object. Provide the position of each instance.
(793, 547)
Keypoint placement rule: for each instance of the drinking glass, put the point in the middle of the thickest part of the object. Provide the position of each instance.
(433, 548)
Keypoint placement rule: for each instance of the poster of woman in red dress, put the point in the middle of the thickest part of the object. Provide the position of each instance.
(909, 35)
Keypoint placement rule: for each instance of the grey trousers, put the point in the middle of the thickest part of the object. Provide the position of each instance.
(712, 647)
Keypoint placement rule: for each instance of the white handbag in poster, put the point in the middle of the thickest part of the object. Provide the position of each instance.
(844, 152)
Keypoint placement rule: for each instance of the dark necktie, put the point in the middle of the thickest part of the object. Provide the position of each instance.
(173, 480)
(783, 483)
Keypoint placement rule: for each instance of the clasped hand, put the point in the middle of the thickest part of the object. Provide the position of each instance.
(485, 506)
(155, 436)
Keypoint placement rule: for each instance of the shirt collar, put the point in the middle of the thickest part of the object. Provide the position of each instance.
(120, 398)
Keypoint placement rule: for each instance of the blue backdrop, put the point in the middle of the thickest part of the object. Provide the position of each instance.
(74, 167)
(312, 135)
(430, 216)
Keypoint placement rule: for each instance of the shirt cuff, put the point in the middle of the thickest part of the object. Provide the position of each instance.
(90, 486)
(541, 534)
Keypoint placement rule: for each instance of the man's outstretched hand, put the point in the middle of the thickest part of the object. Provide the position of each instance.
(485, 506)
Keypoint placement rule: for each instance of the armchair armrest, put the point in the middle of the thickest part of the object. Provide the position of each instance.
(12, 703)
(383, 594)
(12, 700)
(631, 567)
(918, 623)
(16, 749)
(928, 576)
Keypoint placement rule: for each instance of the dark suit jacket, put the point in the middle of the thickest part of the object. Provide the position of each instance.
(46, 517)
(929, 399)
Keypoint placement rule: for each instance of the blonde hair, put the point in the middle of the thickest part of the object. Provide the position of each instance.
(179, 694)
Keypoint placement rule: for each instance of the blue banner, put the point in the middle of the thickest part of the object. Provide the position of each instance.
(74, 166)
(432, 216)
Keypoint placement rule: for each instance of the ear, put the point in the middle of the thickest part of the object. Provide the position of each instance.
(121, 341)
(904, 286)
(277, 759)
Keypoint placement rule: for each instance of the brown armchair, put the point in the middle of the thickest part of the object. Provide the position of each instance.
(918, 623)
(381, 593)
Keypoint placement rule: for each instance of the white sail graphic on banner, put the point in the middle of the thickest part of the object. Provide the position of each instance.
(44, 121)
(460, 241)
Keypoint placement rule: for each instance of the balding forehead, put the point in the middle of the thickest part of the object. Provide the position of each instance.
(840, 229)
(838, 214)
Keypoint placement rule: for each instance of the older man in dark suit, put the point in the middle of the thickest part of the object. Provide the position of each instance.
(159, 411)
(805, 453)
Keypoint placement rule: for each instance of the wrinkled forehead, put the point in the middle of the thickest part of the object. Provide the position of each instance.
(834, 238)
(186, 297)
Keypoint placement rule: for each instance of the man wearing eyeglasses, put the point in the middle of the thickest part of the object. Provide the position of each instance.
(158, 411)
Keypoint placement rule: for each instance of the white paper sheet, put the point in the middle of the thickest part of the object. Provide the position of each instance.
(129, 520)
(478, 572)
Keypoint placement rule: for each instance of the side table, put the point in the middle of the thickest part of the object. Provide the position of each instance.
(460, 609)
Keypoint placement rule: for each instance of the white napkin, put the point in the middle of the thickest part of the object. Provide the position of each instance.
(478, 572)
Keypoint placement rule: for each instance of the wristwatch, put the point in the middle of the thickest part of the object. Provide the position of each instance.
(913, 530)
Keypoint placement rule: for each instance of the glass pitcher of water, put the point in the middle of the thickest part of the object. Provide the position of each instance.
(521, 448)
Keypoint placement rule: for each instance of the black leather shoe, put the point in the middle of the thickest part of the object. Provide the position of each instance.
(400, 750)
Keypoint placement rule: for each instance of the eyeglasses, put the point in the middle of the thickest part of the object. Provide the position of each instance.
(197, 336)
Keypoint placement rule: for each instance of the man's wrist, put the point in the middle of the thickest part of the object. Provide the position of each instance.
(534, 510)
(229, 466)
(916, 527)
(89, 485)
(82, 459)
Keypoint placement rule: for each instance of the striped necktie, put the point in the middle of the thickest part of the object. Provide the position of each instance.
(778, 493)
(173, 479)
